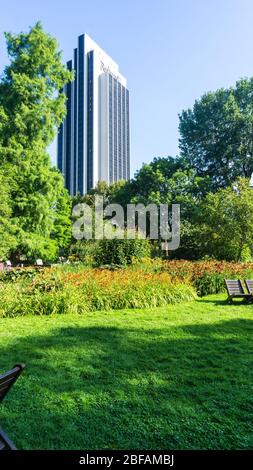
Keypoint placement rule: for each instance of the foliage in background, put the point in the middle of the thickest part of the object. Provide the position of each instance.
(108, 192)
(218, 225)
(226, 222)
(163, 181)
(221, 226)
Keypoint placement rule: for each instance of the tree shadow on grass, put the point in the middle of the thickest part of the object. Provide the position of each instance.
(180, 387)
(213, 301)
(235, 302)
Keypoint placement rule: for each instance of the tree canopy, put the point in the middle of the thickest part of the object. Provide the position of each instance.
(216, 136)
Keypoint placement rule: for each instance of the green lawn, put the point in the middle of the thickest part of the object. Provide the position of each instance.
(178, 377)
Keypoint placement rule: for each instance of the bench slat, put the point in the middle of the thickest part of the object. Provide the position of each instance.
(7, 380)
(12, 374)
(249, 284)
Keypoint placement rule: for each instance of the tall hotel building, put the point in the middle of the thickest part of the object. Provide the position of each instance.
(94, 139)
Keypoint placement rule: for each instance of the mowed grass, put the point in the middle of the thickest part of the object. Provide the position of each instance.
(178, 377)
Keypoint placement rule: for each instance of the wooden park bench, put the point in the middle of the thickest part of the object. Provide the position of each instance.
(7, 380)
(249, 285)
(235, 290)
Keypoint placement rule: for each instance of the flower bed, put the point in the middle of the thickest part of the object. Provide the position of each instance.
(83, 290)
(207, 277)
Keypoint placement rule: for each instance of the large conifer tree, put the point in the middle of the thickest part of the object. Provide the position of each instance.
(31, 109)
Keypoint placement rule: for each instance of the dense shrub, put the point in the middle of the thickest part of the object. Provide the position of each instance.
(9, 275)
(58, 291)
(121, 251)
(84, 251)
(209, 283)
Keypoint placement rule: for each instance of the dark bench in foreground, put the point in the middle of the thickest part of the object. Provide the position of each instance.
(235, 290)
(7, 380)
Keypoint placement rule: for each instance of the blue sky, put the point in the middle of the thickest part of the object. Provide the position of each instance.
(171, 52)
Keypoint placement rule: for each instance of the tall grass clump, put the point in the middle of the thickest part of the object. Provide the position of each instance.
(60, 291)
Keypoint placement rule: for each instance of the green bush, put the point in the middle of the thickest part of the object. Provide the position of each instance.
(84, 251)
(246, 255)
(12, 275)
(120, 252)
(209, 284)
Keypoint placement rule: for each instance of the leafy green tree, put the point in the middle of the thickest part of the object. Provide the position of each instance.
(226, 222)
(32, 108)
(216, 135)
(164, 180)
(168, 181)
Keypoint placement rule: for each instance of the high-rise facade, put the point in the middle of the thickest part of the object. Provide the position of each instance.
(94, 138)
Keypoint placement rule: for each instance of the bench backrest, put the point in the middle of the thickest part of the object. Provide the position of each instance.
(9, 378)
(234, 286)
(249, 284)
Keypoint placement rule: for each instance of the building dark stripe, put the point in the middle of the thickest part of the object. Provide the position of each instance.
(115, 125)
(80, 127)
(128, 134)
(120, 175)
(124, 132)
(110, 133)
(75, 166)
(90, 100)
